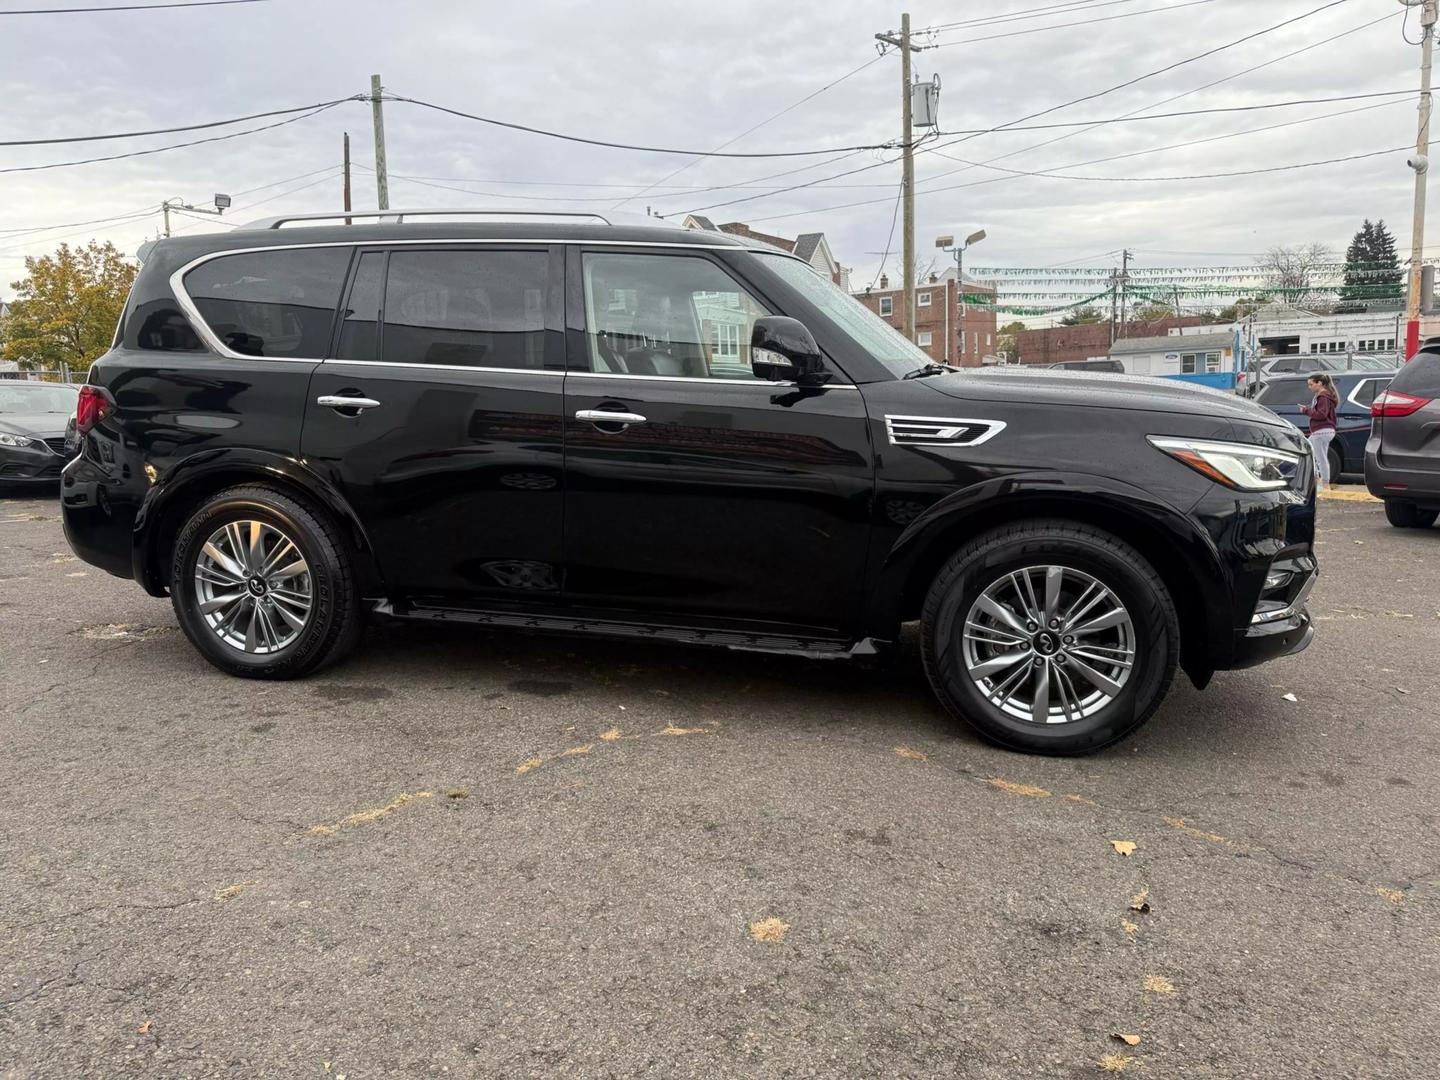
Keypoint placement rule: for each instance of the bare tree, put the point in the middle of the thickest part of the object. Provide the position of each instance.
(1293, 271)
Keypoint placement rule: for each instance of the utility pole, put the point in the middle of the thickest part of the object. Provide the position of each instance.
(382, 181)
(1420, 163)
(346, 169)
(1124, 286)
(907, 181)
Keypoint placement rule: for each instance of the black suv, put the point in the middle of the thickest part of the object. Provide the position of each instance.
(667, 435)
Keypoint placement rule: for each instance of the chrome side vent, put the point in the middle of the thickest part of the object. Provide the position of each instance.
(940, 431)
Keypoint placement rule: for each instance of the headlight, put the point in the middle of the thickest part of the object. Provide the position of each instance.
(6, 439)
(1236, 465)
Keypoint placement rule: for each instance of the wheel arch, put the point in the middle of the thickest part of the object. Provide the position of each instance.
(1180, 551)
(169, 502)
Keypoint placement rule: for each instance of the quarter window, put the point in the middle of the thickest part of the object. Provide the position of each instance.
(887, 305)
(674, 315)
(1364, 394)
(271, 303)
(472, 308)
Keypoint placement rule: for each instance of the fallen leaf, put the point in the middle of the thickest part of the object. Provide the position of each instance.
(1141, 901)
(526, 765)
(1395, 896)
(576, 751)
(1158, 984)
(1289, 697)
(1129, 927)
(610, 736)
(671, 729)
(910, 755)
(232, 891)
(364, 817)
(771, 930)
(1080, 799)
(1128, 1040)
(1179, 823)
(144, 1029)
(1018, 789)
(1123, 847)
(1114, 1062)
(457, 793)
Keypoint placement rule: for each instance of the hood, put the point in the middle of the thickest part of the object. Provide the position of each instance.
(41, 425)
(1096, 390)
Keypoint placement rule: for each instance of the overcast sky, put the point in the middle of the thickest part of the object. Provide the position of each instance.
(693, 76)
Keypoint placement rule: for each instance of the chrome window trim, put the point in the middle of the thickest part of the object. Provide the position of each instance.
(187, 305)
(1350, 397)
(704, 381)
(337, 360)
(993, 428)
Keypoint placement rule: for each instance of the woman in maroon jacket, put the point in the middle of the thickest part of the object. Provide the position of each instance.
(1321, 412)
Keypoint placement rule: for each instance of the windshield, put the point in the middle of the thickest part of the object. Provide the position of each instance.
(35, 398)
(873, 334)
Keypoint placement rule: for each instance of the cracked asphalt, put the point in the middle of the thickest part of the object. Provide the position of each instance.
(502, 856)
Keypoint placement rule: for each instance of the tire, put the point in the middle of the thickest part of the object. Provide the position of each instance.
(1406, 515)
(1081, 554)
(322, 596)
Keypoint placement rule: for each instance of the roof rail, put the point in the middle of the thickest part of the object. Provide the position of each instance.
(393, 217)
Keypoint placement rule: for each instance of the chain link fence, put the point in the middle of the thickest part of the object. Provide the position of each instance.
(63, 374)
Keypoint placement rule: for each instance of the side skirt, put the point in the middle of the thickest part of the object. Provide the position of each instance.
(815, 648)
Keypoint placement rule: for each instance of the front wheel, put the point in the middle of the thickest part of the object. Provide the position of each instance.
(1050, 637)
(1406, 515)
(263, 585)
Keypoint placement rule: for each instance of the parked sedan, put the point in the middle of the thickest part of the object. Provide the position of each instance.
(1251, 382)
(1284, 394)
(33, 416)
(1402, 456)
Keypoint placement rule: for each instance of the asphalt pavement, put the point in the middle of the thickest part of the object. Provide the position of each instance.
(485, 855)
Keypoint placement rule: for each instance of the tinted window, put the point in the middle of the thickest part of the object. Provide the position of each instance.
(1288, 392)
(672, 315)
(1278, 366)
(1366, 391)
(359, 327)
(271, 303)
(466, 308)
(1421, 376)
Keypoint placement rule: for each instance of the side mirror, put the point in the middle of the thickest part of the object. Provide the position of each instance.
(783, 350)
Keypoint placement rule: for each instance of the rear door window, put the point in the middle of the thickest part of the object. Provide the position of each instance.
(1420, 377)
(465, 308)
(1289, 392)
(271, 303)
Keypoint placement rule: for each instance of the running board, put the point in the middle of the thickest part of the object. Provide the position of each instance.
(816, 648)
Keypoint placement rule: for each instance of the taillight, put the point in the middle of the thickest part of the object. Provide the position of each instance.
(93, 406)
(1394, 403)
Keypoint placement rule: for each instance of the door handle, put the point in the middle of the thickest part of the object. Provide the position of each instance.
(341, 401)
(607, 416)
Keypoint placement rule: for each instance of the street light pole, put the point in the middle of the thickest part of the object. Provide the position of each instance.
(222, 203)
(947, 243)
(1420, 163)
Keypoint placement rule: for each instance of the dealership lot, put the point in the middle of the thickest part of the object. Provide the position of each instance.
(468, 854)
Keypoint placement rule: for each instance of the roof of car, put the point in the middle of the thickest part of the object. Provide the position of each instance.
(1172, 343)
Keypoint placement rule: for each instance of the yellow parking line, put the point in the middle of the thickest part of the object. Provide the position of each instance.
(1347, 495)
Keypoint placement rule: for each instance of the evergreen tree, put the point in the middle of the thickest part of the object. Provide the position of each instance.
(1372, 270)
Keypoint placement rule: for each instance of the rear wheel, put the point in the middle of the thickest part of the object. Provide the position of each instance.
(263, 585)
(1050, 637)
(1406, 515)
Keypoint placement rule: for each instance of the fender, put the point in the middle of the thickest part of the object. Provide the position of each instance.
(1178, 542)
(225, 466)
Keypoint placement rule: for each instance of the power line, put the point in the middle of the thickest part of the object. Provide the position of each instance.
(1094, 95)
(631, 146)
(1070, 7)
(1064, 26)
(172, 130)
(751, 130)
(173, 146)
(330, 172)
(1192, 176)
(131, 7)
(889, 239)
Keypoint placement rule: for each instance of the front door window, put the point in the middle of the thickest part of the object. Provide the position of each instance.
(671, 315)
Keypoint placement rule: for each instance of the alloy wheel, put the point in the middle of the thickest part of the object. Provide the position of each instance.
(1049, 644)
(253, 587)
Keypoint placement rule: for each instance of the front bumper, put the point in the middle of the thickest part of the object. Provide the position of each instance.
(1269, 641)
(34, 464)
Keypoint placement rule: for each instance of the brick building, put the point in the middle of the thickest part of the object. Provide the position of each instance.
(812, 247)
(947, 333)
(1059, 344)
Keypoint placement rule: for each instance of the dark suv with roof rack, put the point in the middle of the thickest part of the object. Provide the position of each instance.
(667, 436)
